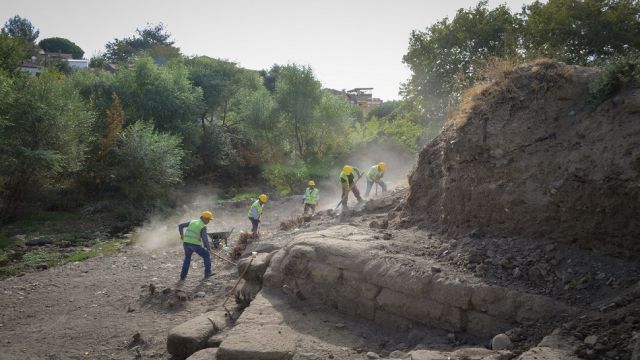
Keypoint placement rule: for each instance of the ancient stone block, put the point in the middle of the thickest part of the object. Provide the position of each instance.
(191, 336)
(484, 324)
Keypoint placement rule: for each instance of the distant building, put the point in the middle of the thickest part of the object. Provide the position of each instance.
(57, 56)
(78, 63)
(30, 67)
(363, 97)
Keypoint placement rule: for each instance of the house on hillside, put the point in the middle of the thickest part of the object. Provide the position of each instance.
(363, 97)
(31, 67)
(78, 63)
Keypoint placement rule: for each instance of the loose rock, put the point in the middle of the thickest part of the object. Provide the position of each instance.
(501, 342)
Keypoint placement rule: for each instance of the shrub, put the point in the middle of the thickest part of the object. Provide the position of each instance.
(619, 73)
(147, 163)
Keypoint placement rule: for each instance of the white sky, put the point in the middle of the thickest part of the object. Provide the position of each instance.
(348, 43)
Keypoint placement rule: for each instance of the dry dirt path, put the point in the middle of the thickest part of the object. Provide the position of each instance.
(92, 309)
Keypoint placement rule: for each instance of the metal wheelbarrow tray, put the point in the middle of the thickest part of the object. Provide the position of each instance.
(217, 236)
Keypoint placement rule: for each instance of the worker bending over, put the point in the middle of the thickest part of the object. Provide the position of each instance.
(349, 184)
(191, 240)
(311, 198)
(374, 175)
(255, 212)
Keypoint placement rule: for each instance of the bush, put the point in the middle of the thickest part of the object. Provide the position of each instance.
(45, 131)
(146, 164)
(621, 72)
(285, 178)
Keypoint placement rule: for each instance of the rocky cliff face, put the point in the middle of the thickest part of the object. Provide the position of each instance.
(530, 156)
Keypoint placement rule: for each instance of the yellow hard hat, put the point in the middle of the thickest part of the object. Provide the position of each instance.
(382, 166)
(206, 215)
(347, 169)
(312, 183)
(263, 198)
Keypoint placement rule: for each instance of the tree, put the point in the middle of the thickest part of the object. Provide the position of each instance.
(146, 164)
(447, 56)
(12, 52)
(66, 46)
(298, 96)
(385, 109)
(270, 77)
(161, 95)
(219, 81)
(97, 62)
(44, 137)
(152, 38)
(257, 116)
(114, 120)
(19, 27)
(581, 31)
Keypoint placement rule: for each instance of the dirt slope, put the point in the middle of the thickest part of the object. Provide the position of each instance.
(529, 156)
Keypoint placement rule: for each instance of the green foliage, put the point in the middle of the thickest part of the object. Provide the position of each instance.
(12, 52)
(286, 178)
(99, 249)
(65, 46)
(19, 27)
(37, 257)
(270, 77)
(621, 72)
(402, 131)
(97, 62)
(445, 58)
(44, 136)
(152, 38)
(146, 163)
(218, 79)
(581, 31)
(162, 95)
(386, 109)
(450, 55)
(297, 97)
(257, 116)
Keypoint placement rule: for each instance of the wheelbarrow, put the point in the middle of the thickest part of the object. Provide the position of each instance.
(217, 236)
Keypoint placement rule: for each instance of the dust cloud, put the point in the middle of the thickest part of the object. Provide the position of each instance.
(161, 230)
(399, 164)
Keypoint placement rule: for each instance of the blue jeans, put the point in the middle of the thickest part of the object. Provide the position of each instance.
(190, 249)
(383, 186)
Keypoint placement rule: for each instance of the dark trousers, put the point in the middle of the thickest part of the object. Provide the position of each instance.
(189, 249)
(309, 208)
(254, 225)
(345, 195)
(370, 185)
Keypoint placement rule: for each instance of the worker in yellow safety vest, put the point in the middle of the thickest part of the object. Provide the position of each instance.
(374, 175)
(255, 212)
(311, 197)
(195, 240)
(348, 183)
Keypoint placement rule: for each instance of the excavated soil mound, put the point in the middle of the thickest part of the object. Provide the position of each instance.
(529, 155)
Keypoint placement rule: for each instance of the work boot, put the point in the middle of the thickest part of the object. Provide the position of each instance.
(208, 275)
